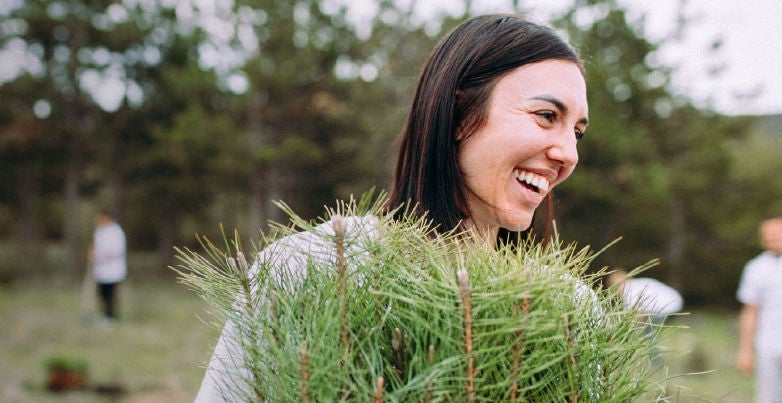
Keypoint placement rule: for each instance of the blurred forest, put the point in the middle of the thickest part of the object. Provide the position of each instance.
(186, 115)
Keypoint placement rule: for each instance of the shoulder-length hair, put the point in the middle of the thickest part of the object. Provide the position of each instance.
(451, 97)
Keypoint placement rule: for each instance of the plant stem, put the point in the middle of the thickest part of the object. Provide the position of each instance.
(517, 347)
(398, 349)
(428, 387)
(339, 231)
(464, 289)
(273, 312)
(305, 373)
(379, 390)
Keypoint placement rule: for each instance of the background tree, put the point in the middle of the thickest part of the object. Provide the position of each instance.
(323, 93)
(653, 165)
(185, 116)
(66, 47)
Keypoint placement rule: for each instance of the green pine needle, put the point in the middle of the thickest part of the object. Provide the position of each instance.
(525, 324)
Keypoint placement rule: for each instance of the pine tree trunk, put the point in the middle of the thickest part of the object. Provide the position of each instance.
(168, 230)
(116, 179)
(676, 242)
(255, 218)
(274, 192)
(72, 232)
(28, 224)
(116, 185)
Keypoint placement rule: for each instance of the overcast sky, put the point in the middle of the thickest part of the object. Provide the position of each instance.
(751, 53)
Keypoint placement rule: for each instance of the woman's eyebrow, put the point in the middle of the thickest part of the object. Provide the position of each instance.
(563, 109)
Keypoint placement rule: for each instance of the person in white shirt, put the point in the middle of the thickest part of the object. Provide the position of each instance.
(653, 299)
(760, 320)
(648, 295)
(109, 265)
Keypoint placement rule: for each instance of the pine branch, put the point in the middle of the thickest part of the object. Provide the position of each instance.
(518, 346)
(274, 315)
(339, 240)
(379, 390)
(393, 279)
(464, 289)
(398, 351)
(428, 387)
(305, 373)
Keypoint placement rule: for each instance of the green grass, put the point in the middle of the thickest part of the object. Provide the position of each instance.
(156, 352)
(158, 349)
(703, 345)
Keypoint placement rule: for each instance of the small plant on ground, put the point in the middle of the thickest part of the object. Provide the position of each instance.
(66, 373)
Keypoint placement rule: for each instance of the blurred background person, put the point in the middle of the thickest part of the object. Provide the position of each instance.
(648, 295)
(652, 298)
(109, 264)
(760, 320)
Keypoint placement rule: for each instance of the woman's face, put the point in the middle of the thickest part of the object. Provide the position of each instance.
(527, 145)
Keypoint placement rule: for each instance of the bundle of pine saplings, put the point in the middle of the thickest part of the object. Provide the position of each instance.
(363, 307)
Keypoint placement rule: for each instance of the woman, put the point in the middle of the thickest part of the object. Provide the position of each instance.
(499, 107)
(498, 110)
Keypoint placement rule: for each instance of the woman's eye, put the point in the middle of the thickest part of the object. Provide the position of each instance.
(549, 116)
(580, 134)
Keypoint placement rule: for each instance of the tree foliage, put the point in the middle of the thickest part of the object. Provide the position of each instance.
(183, 115)
(653, 167)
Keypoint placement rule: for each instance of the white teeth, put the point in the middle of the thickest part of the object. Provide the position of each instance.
(543, 185)
(534, 180)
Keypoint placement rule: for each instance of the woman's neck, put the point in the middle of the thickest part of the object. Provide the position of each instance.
(486, 235)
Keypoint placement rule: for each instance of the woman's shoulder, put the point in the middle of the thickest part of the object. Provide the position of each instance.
(319, 243)
(325, 233)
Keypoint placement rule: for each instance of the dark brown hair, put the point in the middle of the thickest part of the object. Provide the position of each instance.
(452, 97)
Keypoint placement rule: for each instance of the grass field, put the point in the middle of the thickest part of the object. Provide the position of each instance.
(157, 351)
(703, 345)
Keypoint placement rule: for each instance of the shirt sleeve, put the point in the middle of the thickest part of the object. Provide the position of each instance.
(749, 290)
(225, 375)
(652, 296)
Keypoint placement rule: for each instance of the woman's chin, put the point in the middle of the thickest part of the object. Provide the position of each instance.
(517, 225)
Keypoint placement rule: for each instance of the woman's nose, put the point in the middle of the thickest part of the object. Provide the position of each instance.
(564, 150)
